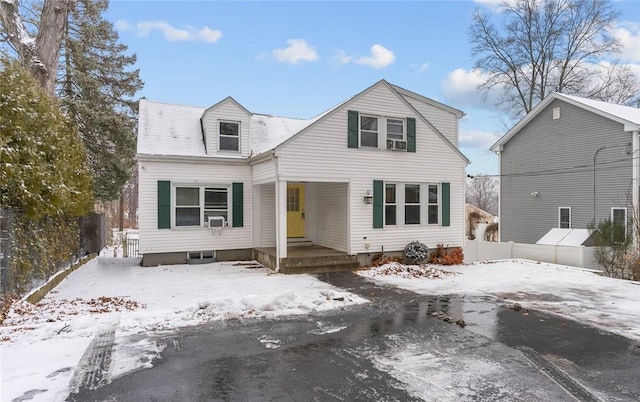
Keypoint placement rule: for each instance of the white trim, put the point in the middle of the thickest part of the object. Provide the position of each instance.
(219, 122)
(560, 217)
(201, 197)
(626, 218)
(635, 180)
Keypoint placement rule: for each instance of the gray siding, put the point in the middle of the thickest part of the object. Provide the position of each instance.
(555, 159)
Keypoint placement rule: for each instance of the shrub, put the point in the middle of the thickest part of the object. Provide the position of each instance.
(415, 252)
(444, 256)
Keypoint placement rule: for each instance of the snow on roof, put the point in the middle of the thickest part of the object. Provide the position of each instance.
(166, 129)
(628, 113)
(565, 237)
(267, 132)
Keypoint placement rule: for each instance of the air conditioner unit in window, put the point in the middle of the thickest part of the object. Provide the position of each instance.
(216, 221)
(397, 145)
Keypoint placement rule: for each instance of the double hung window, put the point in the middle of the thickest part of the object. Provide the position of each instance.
(194, 205)
(229, 136)
(412, 204)
(390, 205)
(368, 131)
(395, 129)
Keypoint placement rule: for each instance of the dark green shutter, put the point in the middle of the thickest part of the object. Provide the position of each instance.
(411, 134)
(164, 204)
(352, 129)
(446, 204)
(238, 205)
(378, 204)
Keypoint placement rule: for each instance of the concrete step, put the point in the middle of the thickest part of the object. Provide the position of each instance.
(319, 268)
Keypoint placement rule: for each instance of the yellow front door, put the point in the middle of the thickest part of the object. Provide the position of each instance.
(295, 210)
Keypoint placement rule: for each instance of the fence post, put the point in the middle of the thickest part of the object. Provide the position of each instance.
(125, 251)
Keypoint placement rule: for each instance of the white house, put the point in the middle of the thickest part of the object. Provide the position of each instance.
(370, 175)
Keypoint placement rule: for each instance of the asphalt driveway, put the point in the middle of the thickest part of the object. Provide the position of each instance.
(400, 347)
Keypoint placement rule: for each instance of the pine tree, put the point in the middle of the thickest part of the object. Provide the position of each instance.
(96, 86)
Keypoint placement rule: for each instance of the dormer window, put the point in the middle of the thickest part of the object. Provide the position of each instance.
(229, 136)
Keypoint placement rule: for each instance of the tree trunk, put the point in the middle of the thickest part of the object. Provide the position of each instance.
(40, 54)
(53, 22)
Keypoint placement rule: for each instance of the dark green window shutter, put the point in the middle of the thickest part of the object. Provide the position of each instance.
(164, 204)
(238, 205)
(378, 204)
(411, 134)
(446, 204)
(352, 129)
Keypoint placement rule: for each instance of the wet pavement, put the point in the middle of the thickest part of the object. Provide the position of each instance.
(399, 347)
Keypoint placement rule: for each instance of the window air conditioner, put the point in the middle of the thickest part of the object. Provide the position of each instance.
(397, 145)
(216, 221)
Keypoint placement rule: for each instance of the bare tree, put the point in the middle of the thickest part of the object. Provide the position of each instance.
(482, 191)
(543, 46)
(38, 51)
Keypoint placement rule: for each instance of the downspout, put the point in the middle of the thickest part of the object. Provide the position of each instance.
(635, 189)
(274, 158)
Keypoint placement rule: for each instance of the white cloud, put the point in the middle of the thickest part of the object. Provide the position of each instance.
(170, 33)
(297, 51)
(629, 35)
(424, 67)
(341, 57)
(123, 25)
(477, 139)
(460, 86)
(380, 57)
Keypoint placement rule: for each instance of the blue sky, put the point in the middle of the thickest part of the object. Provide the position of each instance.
(300, 58)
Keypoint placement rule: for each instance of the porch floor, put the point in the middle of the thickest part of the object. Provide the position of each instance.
(307, 259)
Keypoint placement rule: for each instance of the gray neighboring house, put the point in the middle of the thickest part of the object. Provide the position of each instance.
(568, 161)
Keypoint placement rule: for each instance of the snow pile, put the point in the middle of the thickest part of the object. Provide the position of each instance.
(408, 271)
(578, 294)
(41, 346)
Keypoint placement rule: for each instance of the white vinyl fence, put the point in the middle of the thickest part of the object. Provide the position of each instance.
(575, 256)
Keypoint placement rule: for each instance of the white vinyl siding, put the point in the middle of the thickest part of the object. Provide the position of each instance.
(446, 122)
(225, 111)
(320, 154)
(154, 240)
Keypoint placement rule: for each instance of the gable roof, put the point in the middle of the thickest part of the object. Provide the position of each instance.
(176, 130)
(626, 115)
(166, 129)
(405, 92)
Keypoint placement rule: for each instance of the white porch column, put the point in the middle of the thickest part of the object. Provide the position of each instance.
(281, 221)
(635, 155)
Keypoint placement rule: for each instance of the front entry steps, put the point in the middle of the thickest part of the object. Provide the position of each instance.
(308, 259)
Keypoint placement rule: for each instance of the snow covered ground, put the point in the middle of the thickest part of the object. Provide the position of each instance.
(42, 346)
(606, 303)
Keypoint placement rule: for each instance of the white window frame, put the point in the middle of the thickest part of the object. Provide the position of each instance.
(360, 130)
(220, 135)
(404, 128)
(420, 203)
(396, 204)
(401, 204)
(560, 218)
(437, 204)
(201, 203)
(625, 220)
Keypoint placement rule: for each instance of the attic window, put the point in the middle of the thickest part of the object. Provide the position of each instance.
(556, 113)
(229, 136)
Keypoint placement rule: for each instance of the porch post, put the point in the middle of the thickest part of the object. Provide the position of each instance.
(635, 185)
(281, 221)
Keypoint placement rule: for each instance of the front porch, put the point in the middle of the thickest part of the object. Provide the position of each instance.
(307, 259)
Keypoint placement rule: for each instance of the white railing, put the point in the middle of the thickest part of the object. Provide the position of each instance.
(575, 256)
